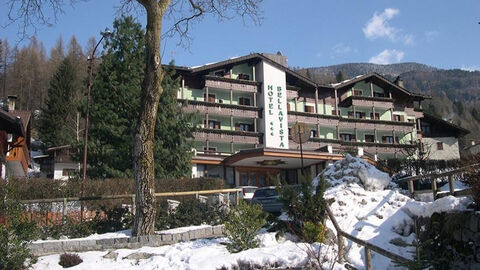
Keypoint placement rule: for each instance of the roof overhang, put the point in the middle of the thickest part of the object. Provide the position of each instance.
(278, 158)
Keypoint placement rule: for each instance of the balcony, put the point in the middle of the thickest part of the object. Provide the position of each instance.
(313, 118)
(371, 124)
(193, 106)
(232, 84)
(17, 160)
(364, 101)
(219, 135)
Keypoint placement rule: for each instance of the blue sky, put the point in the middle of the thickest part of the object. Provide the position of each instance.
(440, 33)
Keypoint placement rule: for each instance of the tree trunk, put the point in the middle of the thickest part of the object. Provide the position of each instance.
(144, 169)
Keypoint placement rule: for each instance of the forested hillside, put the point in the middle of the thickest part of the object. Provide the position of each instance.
(456, 93)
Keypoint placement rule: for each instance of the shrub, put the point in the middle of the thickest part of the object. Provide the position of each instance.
(69, 260)
(305, 206)
(314, 232)
(242, 225)
(15, 232)
(117, 218)
(472, 178)
(190, 212)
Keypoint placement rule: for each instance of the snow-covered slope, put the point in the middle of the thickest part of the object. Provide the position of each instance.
(383, 217)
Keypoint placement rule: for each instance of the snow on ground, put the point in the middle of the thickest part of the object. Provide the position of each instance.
(457, 185)
(362, 207)
(200, 254)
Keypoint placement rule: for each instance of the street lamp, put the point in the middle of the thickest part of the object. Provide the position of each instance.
(89, 89)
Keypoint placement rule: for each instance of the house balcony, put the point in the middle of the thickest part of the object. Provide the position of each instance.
(232, 84)
(313, 118)
(227, 136)
(370, 124)
(364, 101)
(225, 109)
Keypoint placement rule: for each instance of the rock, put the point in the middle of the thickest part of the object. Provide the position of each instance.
(363, 202)
(398, 242)
(111, 255)
(341, 203)
(139, 256)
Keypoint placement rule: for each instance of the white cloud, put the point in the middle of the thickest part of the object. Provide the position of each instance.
(431, 35)
(378, 27)
(341, 48)
(387, 57)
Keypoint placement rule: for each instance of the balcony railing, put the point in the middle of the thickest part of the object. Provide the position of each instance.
(220, 135)
(216, 108)
(232, 84)
(365, 101)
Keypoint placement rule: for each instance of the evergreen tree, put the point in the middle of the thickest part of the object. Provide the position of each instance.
(340, 77)
(173, 128)
(115, 106)
(57, 120)
(115, 101)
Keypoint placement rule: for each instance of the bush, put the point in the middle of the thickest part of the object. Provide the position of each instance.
(71, 229)
(242, 225)
(69, 260)
(15, 232)
(472, 178)
(190, 212)
(305, 205)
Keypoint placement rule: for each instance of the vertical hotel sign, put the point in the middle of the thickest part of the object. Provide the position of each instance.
(275, 107)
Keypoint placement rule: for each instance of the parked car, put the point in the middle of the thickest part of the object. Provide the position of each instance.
(247, 192)
(269, 199)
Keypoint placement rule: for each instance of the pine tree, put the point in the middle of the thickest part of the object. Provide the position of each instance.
(115, 106)
(173, 128)
(115, 101)
(340, 77)
(57, 120)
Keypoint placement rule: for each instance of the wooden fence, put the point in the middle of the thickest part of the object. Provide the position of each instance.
(433, 178)
(57, 217)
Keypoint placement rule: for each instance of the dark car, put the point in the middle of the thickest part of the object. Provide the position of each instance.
(269, 199)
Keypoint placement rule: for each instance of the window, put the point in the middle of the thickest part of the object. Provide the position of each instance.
(309, 109)
(313, 133)
(350, 115)
(377, 94)
(243, 76)
(243, 127)
(219, 73)
(439, 145)
(357, 92)
(211, 97)
(244, 179)
(376, 116)
(360, 115)
(369, 138)
(398, 118)
(387, 139)
(335, 112)
(213, 124)
(347, 137)
(244, 101)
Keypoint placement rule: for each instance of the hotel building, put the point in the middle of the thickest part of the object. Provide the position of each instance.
(247, 105)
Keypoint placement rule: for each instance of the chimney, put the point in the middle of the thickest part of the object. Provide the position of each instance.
(278, 57)
(11, 102)
(398, 81)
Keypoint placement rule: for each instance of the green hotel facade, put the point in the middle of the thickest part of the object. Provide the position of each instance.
(248, 104)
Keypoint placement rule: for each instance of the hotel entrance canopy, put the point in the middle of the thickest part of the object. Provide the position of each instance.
(277, 158)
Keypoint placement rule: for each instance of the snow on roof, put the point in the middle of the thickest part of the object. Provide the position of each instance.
(346, 81)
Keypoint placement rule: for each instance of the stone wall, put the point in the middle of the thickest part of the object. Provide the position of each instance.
(59, 246)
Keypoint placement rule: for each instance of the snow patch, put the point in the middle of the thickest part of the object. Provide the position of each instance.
(356, 170)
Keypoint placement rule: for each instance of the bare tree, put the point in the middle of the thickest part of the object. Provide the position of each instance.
(183, 13)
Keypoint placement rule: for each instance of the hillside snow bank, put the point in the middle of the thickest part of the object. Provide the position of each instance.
(384, 217)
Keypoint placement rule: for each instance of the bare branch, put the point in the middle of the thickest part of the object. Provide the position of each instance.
(183, 13)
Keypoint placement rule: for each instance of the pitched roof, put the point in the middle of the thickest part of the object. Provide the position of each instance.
(246, 58)
(11, 124)
(446, 124)
(23, 115)
(380, 78)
